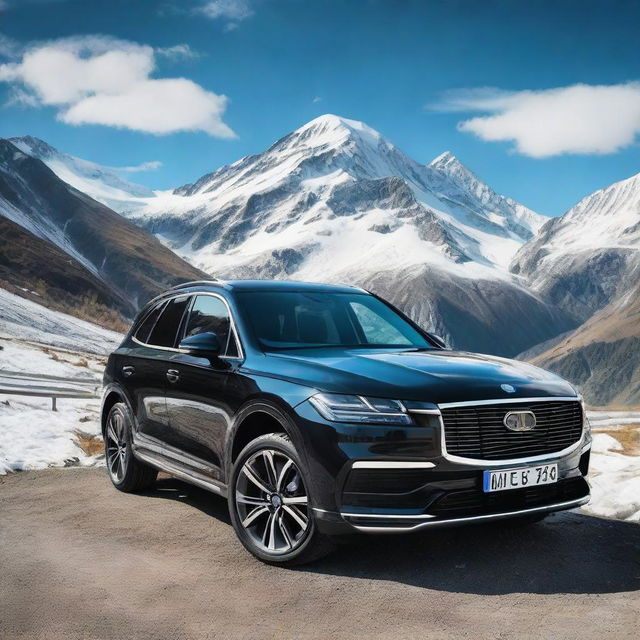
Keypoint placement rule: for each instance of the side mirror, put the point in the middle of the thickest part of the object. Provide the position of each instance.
(202, 344)
(439, 340)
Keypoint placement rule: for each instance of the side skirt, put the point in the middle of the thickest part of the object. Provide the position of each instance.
(174, 468)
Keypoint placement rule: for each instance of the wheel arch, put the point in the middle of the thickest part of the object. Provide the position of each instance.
(111, 395)
(258, 418)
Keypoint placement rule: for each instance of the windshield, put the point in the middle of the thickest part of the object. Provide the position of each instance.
(297, 319)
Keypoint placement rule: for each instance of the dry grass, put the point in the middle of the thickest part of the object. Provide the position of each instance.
(90, 444)
(628, 436)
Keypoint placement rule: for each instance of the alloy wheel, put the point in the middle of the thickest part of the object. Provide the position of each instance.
(116, 446)
(272, 503)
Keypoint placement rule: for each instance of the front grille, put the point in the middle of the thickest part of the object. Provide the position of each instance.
(475, 502)
(479, 432)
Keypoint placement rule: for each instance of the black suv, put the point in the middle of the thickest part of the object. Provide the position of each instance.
(322, 410)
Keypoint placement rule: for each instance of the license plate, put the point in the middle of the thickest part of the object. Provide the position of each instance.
(519, 477)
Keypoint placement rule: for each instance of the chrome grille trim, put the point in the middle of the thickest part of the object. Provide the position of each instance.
(499, 463)
(479, 403)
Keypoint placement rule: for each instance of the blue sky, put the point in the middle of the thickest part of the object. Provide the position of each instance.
(412, 70)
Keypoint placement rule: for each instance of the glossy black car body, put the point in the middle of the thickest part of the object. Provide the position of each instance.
(193, 414)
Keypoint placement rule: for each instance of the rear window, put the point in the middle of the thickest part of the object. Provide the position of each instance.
(143, 331)
(166, 327)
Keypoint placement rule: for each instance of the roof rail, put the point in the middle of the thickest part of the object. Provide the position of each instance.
(352, 286)
(195, 283)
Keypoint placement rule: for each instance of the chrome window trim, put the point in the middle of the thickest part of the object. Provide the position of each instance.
(161, 304)
(164, 302)
(391, 464)
(497, 464)
(193, 294)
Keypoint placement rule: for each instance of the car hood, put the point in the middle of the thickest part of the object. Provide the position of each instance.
(429, 376)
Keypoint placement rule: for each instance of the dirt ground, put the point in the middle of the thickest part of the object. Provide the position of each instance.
(80, 560)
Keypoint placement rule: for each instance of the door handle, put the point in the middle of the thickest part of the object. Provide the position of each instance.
(173, 375)
(128, 370)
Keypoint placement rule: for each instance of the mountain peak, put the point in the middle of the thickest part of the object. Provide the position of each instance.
(333, 130)
(34, 146)
(446, 161)
(330, 121)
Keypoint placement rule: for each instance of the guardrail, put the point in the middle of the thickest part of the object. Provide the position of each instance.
(36, 385)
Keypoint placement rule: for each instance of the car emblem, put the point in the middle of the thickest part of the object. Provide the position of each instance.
(509, 388)
(520, 420)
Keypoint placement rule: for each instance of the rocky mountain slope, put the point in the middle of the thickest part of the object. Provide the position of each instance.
(100, 183)
(83, 254)
(588, 263)
(602, 356)
(42, 272)
(588, 257)
(335, 201)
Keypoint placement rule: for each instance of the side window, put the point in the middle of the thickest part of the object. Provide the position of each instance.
(376, 329)
(166, 328)
(209, 313)
(143, 331)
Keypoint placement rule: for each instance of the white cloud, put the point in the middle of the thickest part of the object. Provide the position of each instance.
(18, 97)
(581, 119)
(316, 99)
(101, 80)
(177, 51)
(152, 165)
(155, 106)
(231, 11)
(9, 48)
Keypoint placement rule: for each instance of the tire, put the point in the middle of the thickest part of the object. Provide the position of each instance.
(269, 504)
(126, 472)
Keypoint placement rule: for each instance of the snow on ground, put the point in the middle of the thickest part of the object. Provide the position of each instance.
(34, 437)
(36, 340)
(26, 320)
(19, 356)
(614, 473)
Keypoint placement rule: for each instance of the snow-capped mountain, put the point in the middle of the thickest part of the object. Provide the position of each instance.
(63, 249)
(587, 262)
(332, 183)
(103, 184)
(453, 182)
(602, 356)
(336, 201)
(588, 257)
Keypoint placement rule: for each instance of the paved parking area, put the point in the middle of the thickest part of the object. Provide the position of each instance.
(80, 560)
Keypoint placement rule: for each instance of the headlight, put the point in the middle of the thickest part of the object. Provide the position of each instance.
(586, 425)
(342, 408)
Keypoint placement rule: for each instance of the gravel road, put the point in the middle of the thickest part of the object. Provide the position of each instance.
(80, 560)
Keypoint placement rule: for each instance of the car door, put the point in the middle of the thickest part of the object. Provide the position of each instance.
(199, 416)
(146, 365)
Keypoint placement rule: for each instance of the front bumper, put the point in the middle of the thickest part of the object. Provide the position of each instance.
(398, 479)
